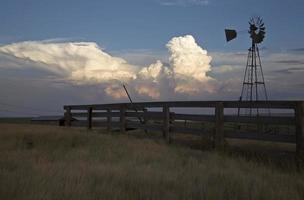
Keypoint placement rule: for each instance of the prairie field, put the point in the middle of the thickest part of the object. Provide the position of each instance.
(49, 162)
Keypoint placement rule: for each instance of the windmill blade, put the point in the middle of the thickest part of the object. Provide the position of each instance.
(230, 34)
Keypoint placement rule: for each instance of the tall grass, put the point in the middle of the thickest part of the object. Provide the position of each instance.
(45, 162)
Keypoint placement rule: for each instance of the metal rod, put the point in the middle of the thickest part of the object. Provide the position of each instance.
(140, 119)
(127, 93)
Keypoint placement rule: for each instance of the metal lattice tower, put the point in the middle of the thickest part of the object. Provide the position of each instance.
(253, 88)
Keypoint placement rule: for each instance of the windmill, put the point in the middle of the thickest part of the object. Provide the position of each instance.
(253, 87)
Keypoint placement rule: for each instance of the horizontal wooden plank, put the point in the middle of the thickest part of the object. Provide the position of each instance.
(152, 127)
(82, 114)
(183, 104)
(260, 136)
(97, 123)
(106, 114)
(260, 104)
(94, 106)
(141, 105)
(148, 115)
(97, 114)
(191, 117)
(134, 114)
(261, 119)
(104, 124)
(206, 104)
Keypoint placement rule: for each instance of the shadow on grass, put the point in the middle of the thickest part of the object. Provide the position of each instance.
(279, 156)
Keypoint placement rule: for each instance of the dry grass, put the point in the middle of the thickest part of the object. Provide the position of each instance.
(45, 162)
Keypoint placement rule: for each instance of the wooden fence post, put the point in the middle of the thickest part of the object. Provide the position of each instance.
(67, 116)
(166, 123)
(109, 120)
(89, 118)
(219, 137)
(122, 118)
(299, 113)
(145, 119)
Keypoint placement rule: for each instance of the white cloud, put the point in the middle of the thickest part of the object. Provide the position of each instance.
(190, 64)
(85, 63)
(148, 90)
(116, 91)
(151, 79)
(151, 72)
(223, 69)
(68, 77)
(82, 62)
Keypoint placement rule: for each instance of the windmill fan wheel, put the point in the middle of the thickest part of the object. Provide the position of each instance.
(256, 30)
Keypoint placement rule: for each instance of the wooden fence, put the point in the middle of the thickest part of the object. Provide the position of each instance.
(125, 113)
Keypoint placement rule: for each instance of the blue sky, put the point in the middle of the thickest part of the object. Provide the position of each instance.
(149, 24)
(56, 52)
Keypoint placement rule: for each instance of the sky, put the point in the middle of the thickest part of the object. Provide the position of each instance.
(55, 52)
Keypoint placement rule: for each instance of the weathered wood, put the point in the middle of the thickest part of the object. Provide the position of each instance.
(106, 114)
(134, 114)
(205, 104)
(89, 118)
(261, 119)
(300, 128)
(119, 110)
(219, 125)
(148, 115)
(80, 114)
(109, 120)
(260, 104)
(166, 123)
(191, 117)
(95, 106)
(122, 118)
(152, 127)
(67, 116)
(145, 120)
(83, 123)
(97, 114)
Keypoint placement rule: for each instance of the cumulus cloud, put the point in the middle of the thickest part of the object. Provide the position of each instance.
(151, 72)
(190, 65)
(151, 79)
(81, 62)
(148, 90)
(116, 91)
(187, 73)
(84, 63)
(84, 72)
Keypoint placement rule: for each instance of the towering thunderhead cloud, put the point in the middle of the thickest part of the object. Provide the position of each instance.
(190, 64)
(87, 63)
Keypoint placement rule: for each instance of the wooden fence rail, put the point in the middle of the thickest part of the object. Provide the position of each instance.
(164, 119)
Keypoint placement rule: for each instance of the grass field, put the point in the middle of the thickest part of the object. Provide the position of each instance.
(48, 162)
(15, 120)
